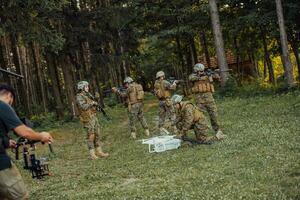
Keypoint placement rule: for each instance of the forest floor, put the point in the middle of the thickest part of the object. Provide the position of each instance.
(260, 159)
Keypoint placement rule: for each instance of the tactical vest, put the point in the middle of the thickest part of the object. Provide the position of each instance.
(135, 93)
(87, 115)
(197, 113)
(160, 91)
(202, 86)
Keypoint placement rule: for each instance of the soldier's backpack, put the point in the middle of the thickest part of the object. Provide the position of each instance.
(135, 93)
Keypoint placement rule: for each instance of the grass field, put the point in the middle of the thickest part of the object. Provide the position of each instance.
(259, 160)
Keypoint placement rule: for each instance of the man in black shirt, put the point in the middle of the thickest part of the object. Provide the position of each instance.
(11, 183)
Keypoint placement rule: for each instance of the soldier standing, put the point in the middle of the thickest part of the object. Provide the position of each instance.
(88, 117)
(162, 90)
(134, 95)
(189, 116)
(203, 89)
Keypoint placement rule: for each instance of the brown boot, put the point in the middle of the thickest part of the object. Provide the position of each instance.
(100, 153)
(133, 135)
(220, 135)
(147, 132)
(93, 155)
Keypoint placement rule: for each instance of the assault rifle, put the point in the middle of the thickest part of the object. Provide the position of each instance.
(99, 108)
(11, 73)
(109, 91)
(38, 167)
(173, 80)
(210, 72)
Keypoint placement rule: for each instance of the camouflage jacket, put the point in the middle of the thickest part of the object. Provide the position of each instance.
(86, 105)
(162, 88)
(187, 115)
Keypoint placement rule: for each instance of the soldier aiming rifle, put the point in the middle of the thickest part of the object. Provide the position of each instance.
(134, 95)
(203, 89)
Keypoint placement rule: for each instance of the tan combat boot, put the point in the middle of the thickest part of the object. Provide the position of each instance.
(100, 153)
(133, 135)
(147, 132)
(220, 135)
(93, 155)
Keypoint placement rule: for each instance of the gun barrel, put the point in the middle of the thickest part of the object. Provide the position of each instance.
(12, 73)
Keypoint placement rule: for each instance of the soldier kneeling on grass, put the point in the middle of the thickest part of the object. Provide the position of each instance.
(88, 117)
(134, 95)
(189, 116)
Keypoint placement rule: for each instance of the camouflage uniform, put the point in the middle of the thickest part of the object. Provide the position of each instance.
(135, 108)
(188, 116)
(88, 117)
(203, 89)
(166, 109)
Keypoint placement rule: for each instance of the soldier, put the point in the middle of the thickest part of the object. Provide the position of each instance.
(134, 95)
(162, 90)
(88, 117)
(189, 116)
(203, 88)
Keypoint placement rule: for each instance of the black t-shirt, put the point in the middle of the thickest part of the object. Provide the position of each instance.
(8, 121)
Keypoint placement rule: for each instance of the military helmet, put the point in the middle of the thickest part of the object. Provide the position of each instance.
(81, 85)
(176, 98)
(199, 67)
(160, 74)
(128, 80)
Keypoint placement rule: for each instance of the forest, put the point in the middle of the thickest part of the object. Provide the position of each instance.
(48, 46)
(55, 44)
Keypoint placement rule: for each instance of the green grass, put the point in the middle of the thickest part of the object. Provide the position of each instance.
(259, 160)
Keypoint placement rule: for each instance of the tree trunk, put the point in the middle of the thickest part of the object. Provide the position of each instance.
(267, 57)
(205, 48)
(288, 68)
(237, 61)
(40, 74)
(3, 60)
(193, 51)
(219, 43)
(69, 85)
(24, 95)
(296, 53)
(124, 66)
(181, 59)
(59, 108)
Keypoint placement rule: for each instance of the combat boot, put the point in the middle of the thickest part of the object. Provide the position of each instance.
(220, 135)
(147, 132)
(133, 135)
(100, 153)
(161, 131)
(93, 155)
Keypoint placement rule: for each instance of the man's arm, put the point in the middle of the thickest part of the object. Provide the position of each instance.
(170, 86)
(30, 134)
(194, 77)
(120, 93)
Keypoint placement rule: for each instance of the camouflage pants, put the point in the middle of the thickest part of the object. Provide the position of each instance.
(136, 113)
(166, 111)
(201, 129)
(206, 102)
(92, 127)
